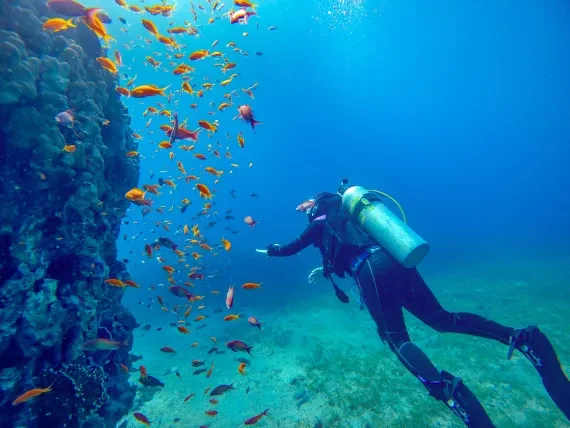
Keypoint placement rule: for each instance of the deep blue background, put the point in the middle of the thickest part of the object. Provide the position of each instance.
(458, 110)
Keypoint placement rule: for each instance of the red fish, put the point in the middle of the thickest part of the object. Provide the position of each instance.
(241, 16)
(253, 321)
(253, 421)
(230, 297)
(168, 350)
(180, 291)
(141, 418)
(66, 7)
(103, 344)
(184, 134)
(148, 250)
(246, 113)
(238, 345)
(250, 221)
(304, 206)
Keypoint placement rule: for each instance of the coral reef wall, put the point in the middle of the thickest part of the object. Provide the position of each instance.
(59, 221)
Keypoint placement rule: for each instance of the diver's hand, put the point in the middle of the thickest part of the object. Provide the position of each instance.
(316, 274)
(272, 250)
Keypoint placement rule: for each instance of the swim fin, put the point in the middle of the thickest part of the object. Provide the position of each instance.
(539, 351)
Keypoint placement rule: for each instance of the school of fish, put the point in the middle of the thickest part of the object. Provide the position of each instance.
(186, 122)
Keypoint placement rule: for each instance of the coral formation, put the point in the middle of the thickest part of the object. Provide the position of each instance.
(59, 222)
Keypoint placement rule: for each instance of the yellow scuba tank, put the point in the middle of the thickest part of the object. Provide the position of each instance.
(378, 222)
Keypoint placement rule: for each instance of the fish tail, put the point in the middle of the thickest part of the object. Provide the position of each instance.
(264, 413)
(254, 123)
(258, 326)
(124, 344)
(107, 37)
(70, 23)
(248, 349)
(161, 91)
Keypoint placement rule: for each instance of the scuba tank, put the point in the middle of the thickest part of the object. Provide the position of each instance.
(378, 222)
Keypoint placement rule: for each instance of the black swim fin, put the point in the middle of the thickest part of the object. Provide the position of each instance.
(539, 351)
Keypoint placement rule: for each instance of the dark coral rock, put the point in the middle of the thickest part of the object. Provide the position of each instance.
(57, 246)
(78, 393)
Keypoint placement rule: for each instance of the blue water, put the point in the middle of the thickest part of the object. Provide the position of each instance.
(457, 109)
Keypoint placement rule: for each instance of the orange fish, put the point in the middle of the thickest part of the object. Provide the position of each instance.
(58, 24)
(213, 127)
(107, 64)
(124, 368)
(168, 269)
(189, 397)
(115, 282)
(211, 412)
(168, 350)
(142, 370)
(241, 368)
(251, 285)
(231, 317)
(147, 91)
(183, 329)
(204, 191)
(149, 25)
(200, 54)
(135, 194)
(125, 92)
(227, 244)
(69, 148)
(31, 394)
(92, 21)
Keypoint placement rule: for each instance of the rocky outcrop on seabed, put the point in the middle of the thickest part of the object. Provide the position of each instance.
(60, 215)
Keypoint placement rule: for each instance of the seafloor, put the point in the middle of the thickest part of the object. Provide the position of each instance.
(317, 359)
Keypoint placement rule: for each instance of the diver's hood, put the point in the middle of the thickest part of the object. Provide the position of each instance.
(323, 201)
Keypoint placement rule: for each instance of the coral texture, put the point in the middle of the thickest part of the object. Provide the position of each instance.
(59, 221)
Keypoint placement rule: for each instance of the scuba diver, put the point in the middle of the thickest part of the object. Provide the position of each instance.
(359, 236)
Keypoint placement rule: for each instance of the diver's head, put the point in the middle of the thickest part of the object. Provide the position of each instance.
(321, 203)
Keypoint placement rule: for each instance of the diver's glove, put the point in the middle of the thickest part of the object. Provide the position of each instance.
(273, 250)
(316, 274)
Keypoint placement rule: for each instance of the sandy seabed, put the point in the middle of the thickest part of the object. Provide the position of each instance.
(320, 360)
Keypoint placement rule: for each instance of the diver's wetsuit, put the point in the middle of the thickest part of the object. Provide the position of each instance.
(387, 287)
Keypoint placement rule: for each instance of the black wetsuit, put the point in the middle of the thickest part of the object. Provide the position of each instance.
(387, 288)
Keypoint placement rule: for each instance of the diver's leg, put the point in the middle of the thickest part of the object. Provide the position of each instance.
(382, 297)
(422, 303)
